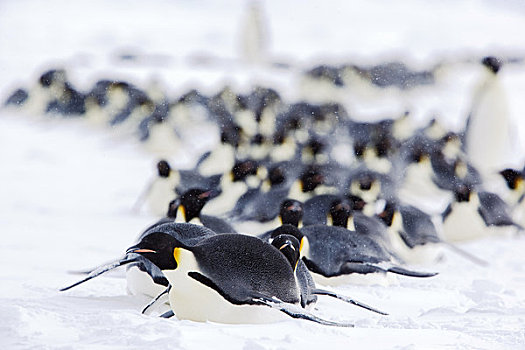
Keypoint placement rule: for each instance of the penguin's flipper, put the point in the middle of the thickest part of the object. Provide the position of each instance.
(168, 314)
(102, 269)
(142, 197)
(154, 301)
(347, 300)
(296, 312)
(465, 254)
(364, 268)
(202, 158)
(402, 271)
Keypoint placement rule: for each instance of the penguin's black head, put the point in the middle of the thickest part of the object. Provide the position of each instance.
(416, 155)
(512, 178)
(159, 248)
(492, 63)
(462, 193)
(340, 212)
(276, 175)
(52, 76)
(366, 181)
(289, 246)
(244, 168)
(173, 207)
(387, 215)
(359, 149)
(291, 212)
(287, 229)
(163, 168)
(383, 146)
(315, 146)
(311, 178)
(231, 135)
(258, 139)
(357, 202)
(193, 201)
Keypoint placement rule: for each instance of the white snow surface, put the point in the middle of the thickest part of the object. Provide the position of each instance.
(68, 188)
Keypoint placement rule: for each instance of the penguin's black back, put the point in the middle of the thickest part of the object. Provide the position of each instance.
(331, 247)
(216, 224)
(418, 228)
(494, 210)
(317, 208)
(187, 234)
(242, 268)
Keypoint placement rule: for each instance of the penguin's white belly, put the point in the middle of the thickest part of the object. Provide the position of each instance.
(419, 190)
(161, 194)
(192, 300)
(226, 201)
(220, 161)
(162, 140)
(381, 279)
(464, 223)
(488, 137)
(421, 254)
(140, 282)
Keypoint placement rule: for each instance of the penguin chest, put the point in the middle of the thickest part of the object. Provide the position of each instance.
(221, 160)
(226, 201)
(193, 300)
(140, 282)
(162, 192)
(464, 222)
(162, 139)
(420, 254)
(418, 189)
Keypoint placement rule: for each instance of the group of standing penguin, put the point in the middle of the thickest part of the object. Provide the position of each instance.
(296, 194)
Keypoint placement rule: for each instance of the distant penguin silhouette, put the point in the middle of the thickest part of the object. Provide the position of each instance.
(489, 143)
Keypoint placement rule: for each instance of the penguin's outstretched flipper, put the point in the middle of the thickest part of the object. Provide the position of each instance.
(463, 253)
(364, 268)
(295, 311)
(102, 269)
(156, 299)
(347, 300)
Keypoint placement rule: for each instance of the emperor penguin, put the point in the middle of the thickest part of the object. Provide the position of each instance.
(475, 214)
(489, 135)
(227, 278)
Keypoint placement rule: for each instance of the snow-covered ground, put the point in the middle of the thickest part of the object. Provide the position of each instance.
(68, 188)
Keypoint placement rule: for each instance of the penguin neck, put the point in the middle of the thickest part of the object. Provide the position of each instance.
(304, 248)
(369, 195)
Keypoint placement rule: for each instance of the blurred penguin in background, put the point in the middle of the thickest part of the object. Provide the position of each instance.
(253, 34)
(488, 136)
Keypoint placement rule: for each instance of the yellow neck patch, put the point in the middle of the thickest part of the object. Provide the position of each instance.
(176, 254)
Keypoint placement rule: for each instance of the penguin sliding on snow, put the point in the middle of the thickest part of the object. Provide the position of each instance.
(227, 278)
(330, 252)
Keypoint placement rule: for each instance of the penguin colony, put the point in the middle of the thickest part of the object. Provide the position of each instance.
(293, 194)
